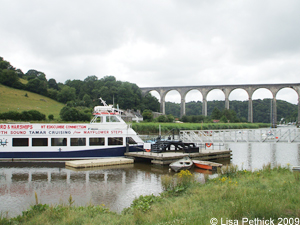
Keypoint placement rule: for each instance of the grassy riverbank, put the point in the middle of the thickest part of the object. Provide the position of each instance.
(153, 128)
(234, 195)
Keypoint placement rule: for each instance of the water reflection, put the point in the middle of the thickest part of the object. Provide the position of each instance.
(115, 187)
(253, 156)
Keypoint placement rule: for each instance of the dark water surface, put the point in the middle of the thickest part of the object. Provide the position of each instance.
(113, 187)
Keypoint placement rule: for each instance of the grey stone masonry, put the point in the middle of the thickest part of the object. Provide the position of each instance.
(227, 89)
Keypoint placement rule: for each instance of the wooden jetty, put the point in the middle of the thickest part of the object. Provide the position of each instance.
(165, 158)
(99, 162)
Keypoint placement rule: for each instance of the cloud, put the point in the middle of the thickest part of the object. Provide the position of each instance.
(155, 43)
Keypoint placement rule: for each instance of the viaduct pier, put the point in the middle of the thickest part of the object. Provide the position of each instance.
(226, 89)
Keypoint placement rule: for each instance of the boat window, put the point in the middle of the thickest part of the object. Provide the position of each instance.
(58, 141)
(98, 119)
(115, 141)
(130, 140)
(39, 141)
(78, 142)
(96, 141)
(112, 119)
(17, 142)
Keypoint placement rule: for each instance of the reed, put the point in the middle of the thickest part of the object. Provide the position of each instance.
(153, 128)
(179, 182)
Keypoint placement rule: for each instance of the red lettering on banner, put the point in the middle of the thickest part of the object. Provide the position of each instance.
(96, 132)
(20, 126)
(55, 126)
(116, 132)
(76, 127)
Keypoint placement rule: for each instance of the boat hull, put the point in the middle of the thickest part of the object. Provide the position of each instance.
(178, 168)
(65, 155)
(182, 164)
(206, 165)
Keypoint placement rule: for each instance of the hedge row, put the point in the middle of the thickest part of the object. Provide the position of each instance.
(153, 128)
(30, 115)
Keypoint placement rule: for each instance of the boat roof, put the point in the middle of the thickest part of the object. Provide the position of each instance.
(106, 109)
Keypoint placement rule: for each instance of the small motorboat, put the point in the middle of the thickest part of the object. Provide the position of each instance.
(296, 167)
(183, 164)
(207, 165)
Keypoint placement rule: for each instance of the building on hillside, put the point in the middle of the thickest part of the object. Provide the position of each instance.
(130, 115)
(156, 114)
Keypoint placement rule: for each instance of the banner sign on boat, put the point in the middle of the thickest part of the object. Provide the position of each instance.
(30, 126)
(52, 129)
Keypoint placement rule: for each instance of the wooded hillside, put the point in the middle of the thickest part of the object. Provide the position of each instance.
(261, 109)
(86, 93)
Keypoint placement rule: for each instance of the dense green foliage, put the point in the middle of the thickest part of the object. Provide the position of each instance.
(23, 116)
(261, 110)
(79, 93)
(75, 114)
(153, 127)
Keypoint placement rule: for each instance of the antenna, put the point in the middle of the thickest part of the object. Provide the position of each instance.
(103, 102)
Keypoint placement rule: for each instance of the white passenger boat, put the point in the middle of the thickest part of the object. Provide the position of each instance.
(107, 135)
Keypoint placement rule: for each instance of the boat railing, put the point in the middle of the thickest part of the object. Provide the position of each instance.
(245, 135)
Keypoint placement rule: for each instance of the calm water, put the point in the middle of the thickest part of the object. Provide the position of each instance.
(115, 187)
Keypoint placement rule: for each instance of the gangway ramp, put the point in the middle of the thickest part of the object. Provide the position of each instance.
(243, 135)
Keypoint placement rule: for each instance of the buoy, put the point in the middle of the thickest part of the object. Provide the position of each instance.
(147, 150)
(208, 144)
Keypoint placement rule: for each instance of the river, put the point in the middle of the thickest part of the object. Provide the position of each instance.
(113, 187)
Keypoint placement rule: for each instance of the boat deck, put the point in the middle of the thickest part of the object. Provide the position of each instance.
(99, 162)
(165, 158)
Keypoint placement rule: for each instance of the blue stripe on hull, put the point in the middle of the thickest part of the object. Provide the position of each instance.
(95, 153)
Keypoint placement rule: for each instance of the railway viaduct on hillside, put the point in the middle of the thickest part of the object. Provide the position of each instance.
(227, 89)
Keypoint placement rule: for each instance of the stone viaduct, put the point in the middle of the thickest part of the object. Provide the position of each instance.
(227, 89)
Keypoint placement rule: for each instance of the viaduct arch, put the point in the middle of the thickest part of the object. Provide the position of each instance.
(226, 89)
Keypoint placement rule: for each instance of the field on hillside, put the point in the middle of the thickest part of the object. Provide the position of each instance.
(15, 100)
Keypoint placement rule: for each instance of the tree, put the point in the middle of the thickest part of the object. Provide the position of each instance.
(9, 78)
(77, 84)
(170, 118)
(147, 115)
(52, 93)
(36, 115)
(173, 108)
(66, 94)
(216, 114)
(72, 114)
(161, 119)
(41, 76)
(37, 86)
(230, 115)
(32, 74)
(52, 84)
(20, 73)
(5, 65)
(87, 100)
(223, 119)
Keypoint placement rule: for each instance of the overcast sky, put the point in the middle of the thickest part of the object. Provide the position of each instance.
(158, 42)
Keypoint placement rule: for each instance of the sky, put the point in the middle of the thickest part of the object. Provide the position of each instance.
(158, 42)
